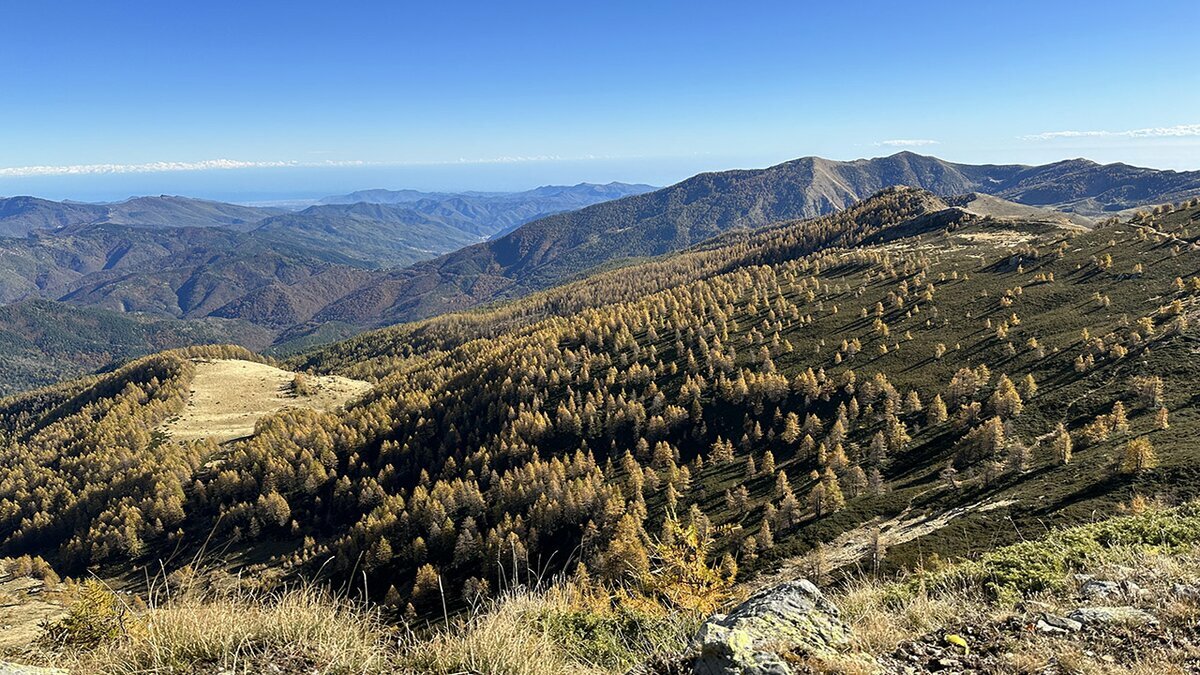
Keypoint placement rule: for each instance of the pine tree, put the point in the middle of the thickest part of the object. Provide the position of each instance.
(425, 586)
(782, 486)
(1005, 401)
(1138, 456)
(722, 451)
(765, 537)
(833, 490)
(817, 500)
(1030, 386)
(1062, 445)
(626, 557)
(1118, 419)
(791, 428)
(768, 463)
(936, 413)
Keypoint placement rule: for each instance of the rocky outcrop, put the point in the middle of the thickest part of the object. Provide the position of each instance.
(793, 618)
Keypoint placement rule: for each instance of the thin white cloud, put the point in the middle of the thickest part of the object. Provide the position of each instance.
(1178, 131)
(228, 164)
(906, 143)
(156, 167)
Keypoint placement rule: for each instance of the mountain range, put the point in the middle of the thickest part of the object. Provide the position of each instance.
(380, 257)
(545, 252)
(965, 418)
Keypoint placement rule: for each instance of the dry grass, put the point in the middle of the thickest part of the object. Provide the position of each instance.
(561, 629)
(229, 396)
(302, 630)
(507, 640)
(881, 619)
(556, 631)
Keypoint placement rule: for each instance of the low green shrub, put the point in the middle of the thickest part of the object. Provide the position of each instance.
(1046, 565)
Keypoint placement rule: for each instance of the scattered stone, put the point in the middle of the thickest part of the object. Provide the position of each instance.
(1060, 622)
(1110, 615)
(1054, 624)
(1186, 592)
(793, 617)
(1108, 590)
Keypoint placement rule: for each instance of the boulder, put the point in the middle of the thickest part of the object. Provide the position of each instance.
(1186, 592)
(793, 617)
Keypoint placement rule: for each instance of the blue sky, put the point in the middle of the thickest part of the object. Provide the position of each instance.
(309, 98)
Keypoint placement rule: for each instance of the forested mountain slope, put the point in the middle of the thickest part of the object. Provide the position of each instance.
(776, 389)
(20, 216)
(44, 342)
(315, 275)
(552, 250)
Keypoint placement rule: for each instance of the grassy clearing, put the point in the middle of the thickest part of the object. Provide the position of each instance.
(229, 396)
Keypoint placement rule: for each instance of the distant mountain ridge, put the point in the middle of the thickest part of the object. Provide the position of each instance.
(548, 251)
(496, 212)
(316, 273)
(20, 216)
(179, 258)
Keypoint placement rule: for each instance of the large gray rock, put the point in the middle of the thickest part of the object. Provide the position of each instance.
(793, 617)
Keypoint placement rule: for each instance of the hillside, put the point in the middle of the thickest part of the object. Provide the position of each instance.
(374, 235)
(227, 398)
(20, 216)
(496, 212)
(904, 366)
(311, 275)
(43, 342)
(935, 285)
(196, 260)
(552, 250)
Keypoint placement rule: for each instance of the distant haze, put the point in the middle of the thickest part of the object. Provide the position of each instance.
(312, 183)
(308, 184)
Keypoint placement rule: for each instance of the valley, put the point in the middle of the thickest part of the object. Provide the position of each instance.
(906, 381)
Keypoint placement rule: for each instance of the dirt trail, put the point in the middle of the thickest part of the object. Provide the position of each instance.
(229, 396)
(853, 547)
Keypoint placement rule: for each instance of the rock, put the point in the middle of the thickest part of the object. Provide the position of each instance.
(1186, 592)
(791, 617)
(1052, 623)
(1106, 615)
(1095, 589)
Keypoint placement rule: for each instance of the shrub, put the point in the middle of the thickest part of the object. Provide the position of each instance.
(95, 617)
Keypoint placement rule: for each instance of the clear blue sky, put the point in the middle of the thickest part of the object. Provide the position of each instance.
(507, 95)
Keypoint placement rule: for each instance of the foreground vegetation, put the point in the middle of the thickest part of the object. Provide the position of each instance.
(572, 626)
